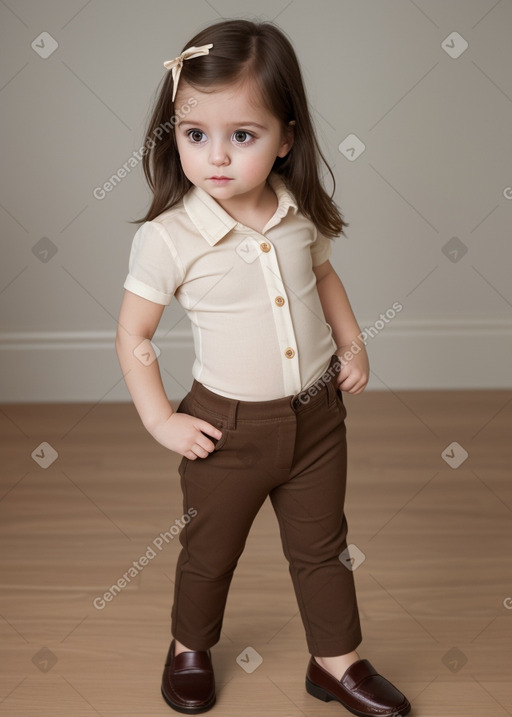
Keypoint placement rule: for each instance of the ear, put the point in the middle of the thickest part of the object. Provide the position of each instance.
(287, 137)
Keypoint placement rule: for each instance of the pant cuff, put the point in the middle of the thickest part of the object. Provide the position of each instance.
(194, 642)
(333, 648)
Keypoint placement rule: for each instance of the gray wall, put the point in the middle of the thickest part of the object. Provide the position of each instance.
(429, 200)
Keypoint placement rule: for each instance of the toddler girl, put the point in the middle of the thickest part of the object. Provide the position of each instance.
(239, 231)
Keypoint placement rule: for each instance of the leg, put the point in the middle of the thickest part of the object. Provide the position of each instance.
(222, 496)
(313, 527)
(226, 492)
(212, 544)
(310, 511)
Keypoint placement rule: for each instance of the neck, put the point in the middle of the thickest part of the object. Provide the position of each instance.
(253, 211)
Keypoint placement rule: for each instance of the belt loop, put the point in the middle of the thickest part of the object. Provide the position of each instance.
(232, 413)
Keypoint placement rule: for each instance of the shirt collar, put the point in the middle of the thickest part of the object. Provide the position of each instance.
(213, 222)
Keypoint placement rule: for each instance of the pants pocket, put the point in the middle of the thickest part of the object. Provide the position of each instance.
(193, 408)
(340, 403)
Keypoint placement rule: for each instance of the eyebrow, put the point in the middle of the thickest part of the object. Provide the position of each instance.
(235, 124)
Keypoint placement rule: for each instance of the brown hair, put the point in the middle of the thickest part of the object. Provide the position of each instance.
(244, 50)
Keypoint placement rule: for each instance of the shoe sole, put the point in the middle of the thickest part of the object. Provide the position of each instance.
(325, 696)
(188, 710)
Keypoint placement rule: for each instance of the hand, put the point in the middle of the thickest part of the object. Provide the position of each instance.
(184, 434)
(355, 373)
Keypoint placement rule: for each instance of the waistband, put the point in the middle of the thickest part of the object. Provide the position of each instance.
(323, 390)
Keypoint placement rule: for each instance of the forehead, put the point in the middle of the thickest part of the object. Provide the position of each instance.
(234, 102)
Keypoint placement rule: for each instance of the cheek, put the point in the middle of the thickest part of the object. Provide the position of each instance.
(259, 160)
(261, 165)
(186, 156)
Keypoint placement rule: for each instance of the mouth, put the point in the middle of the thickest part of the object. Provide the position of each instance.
(218, 179)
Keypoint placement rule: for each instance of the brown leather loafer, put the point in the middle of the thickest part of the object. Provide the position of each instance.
(361, 690)
(188, 683)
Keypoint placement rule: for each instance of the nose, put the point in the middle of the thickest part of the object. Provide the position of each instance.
(219, 155)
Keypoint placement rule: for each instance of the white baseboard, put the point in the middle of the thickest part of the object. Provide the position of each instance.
(71, 366)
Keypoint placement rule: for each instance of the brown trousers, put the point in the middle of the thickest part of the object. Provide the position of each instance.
(292, 449)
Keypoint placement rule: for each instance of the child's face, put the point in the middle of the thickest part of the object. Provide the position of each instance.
(228, 144)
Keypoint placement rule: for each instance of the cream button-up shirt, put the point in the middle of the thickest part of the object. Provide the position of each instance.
(257, 321)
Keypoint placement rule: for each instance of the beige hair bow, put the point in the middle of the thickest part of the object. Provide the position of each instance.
(176, 64)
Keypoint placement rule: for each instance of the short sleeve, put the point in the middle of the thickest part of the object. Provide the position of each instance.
(155, 270)
(320, 249)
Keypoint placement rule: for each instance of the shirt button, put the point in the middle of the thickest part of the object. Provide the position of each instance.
(289, 353)
(264, 246)
(279, 300)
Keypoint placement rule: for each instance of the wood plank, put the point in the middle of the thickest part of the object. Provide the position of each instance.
(431, 590)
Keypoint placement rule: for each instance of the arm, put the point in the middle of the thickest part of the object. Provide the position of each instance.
(345, 329)
(138, 320)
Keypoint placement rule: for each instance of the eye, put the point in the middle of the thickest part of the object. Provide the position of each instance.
(242, 137)
(195, 136)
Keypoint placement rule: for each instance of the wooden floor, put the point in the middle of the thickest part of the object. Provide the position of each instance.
(434, 590)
